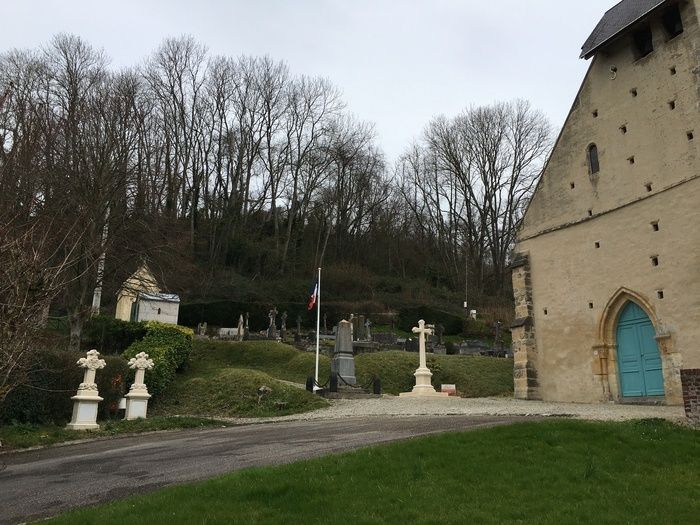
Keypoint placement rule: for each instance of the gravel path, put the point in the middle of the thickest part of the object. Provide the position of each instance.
(395, 406)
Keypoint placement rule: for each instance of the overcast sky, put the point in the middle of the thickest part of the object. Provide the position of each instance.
(398, 62)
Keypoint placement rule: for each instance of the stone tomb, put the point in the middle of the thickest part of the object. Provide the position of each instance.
(343, 362)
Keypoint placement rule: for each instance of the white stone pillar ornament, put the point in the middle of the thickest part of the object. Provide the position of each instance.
(138, 396)
(86, 400)
(424, 387)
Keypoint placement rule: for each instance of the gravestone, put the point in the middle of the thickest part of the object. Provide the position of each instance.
(272, 328)
(411, 345)
(241, 328)
(358, 327)
(368, 332)
(202, 329)
(87, 398)
(439, 332)
(343, 362)
(138, 396)
(283, 326)
(227, 333)
(246, 329)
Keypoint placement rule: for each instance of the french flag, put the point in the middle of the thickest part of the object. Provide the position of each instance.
(313, 296)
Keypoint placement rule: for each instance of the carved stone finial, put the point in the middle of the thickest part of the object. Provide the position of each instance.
(141, 362)
(92, 361)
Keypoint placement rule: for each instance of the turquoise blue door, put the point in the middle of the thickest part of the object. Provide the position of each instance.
(638, 358)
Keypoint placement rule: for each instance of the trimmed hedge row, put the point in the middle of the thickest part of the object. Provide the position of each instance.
(169, 346)
(54, 378)
(111, 336)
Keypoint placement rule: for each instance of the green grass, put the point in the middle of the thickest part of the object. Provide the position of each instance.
(276, 359)
(474, 376)
(23, 436)
(555, 472)
(233, 392)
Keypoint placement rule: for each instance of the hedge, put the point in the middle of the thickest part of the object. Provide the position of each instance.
(111, 336)
(409, 317)
(169, 346)
(52, 381)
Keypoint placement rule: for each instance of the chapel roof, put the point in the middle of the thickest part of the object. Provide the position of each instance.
(615, 21)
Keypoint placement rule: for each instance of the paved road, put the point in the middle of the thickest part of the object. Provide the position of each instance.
(46, 482)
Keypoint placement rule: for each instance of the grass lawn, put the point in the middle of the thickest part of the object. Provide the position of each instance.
(554, 472)
(24, 436)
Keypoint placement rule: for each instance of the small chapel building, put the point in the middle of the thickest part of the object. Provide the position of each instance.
(607, 269)
(140, 299)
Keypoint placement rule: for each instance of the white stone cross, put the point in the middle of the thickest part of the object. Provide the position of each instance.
(422, 330)
(91, 364)
(424, 387)
(140, 363)
(138, 396)
(86, 400)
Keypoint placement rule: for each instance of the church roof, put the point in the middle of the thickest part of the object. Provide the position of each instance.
(160, 297)
(615, 21)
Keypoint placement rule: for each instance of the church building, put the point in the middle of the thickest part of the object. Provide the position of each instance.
(607, 268)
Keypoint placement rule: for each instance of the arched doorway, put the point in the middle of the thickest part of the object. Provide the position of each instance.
(638, 357)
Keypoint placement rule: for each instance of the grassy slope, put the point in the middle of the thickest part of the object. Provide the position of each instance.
(474, 376)
(553, 472)
(223, 379)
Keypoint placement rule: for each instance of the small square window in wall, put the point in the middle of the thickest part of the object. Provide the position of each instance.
(623, 129)
(590, 213)
(631, 159)
(546, 312)
(660, 294)
(597, 244)
(690, 135)
(673, 70)
(573, 185)
(672, 105)
(633, 92)
(655, 226)
(655, 260)
(590, 305)
(649, 188)
(595, 113)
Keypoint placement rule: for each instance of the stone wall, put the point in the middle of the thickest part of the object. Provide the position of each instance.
(691, 394)
(525, 381)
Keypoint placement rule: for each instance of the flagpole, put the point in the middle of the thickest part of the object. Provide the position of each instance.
(318, 327)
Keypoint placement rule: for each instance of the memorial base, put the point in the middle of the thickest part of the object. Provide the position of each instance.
(84, 413)
(136, 406)
(424, 387)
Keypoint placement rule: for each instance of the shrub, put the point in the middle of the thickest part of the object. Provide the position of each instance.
(110, 335)
(409, 317)
(477, 329)
(169, 346)
(53, 380)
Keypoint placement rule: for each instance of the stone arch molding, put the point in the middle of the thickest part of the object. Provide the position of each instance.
(605, 351)
(608, 321)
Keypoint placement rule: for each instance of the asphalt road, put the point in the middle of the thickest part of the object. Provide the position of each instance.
(46, 482)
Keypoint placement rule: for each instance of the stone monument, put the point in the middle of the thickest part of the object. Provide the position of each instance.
(368, 332)
(246, 329)
(241, 328)
(283, 325)
(138, 396)
(424, 387)
(272, 328)
(87, 398)
(343, 362)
